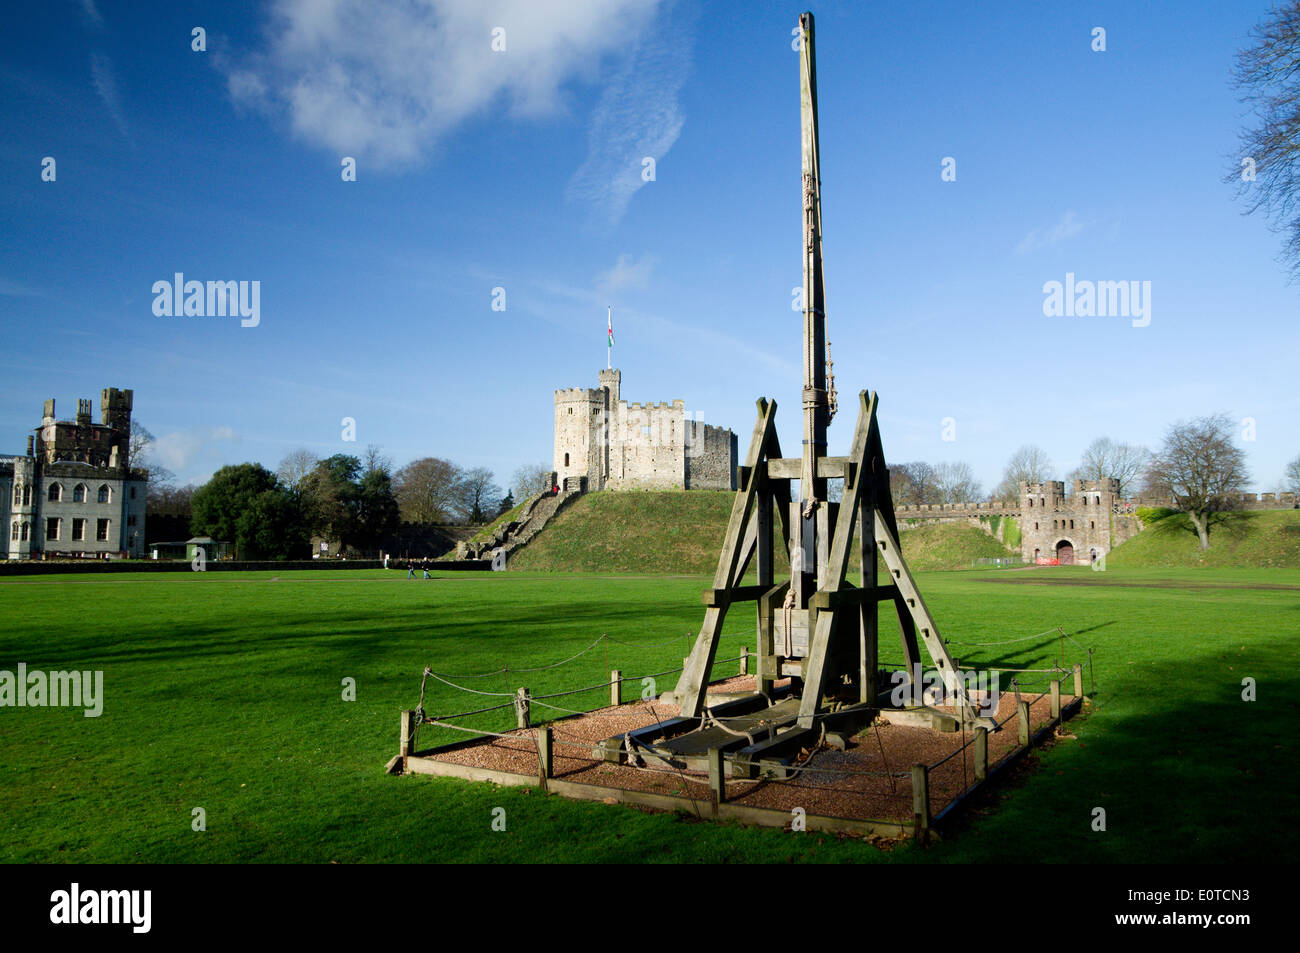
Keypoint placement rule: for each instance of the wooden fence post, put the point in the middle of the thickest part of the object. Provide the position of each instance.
(981, 753)
(545, 752)
(1022, 722)
(744, 660)
(522, 706)
(615, 688)
(717, 776)
(407, 741)
(920, 801)
(1056, 699)
(1078, 679)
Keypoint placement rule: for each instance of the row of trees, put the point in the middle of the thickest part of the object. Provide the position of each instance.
(357, 502)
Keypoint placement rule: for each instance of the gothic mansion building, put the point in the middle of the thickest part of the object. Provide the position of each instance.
(74, 493)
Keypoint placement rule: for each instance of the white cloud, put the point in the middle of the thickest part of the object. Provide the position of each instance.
(386, 81)
(181, 449)
(638, 117)
(1063, 230)
(101, 71)
(627, 273)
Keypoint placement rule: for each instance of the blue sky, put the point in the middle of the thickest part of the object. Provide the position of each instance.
(521, 169)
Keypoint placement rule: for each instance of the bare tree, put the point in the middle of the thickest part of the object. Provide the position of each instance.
(531, 479)
(1201, 468)
(1029, 464)
(1267, 171)
(479, 494)
(374, 460)
(428, 490)
(295, 466)
(140, 453)
(1105, 458)
(912, 484)
(1291, 476)
(955, 483)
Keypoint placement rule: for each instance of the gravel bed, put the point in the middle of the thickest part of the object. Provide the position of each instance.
(883, 748)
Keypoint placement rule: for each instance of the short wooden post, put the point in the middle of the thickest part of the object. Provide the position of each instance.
(545, 752)
(522, 707)
(407, 745)
(1022, 722)
(1056, 699)
(615, 688)
(1078, 679)
(981, 753)
(717, 777)
(744, 660)
(920, 801)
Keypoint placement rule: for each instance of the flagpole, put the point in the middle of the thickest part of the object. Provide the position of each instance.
(609, 346)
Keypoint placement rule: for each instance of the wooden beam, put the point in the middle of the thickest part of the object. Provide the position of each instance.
(690, 689)
(820, 642)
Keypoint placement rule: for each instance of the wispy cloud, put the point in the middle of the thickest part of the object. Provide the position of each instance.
(627, 274)
(1066, 228)
(638, 117)
(182, 449)
(101, 71)
(14, 289)
(92, 14)
(386, 82)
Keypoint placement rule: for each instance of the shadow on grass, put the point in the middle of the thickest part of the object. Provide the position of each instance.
(1185, 770)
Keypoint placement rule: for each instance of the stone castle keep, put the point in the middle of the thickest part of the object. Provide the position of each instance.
(74, 493)
(604, 443)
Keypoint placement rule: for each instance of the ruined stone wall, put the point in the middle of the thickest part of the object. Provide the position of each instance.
(710, 457)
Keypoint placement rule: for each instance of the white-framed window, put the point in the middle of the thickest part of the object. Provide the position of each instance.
(79, 493)
(56, 493)
(101, 530)
(105, 494)
(78, 528)
(52, 527)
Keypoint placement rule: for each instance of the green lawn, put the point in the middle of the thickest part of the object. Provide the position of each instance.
(223, 691)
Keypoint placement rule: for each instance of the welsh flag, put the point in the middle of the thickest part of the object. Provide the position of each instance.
(611, 327)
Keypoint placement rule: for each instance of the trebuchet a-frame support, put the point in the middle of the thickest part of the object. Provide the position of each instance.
(817, 631)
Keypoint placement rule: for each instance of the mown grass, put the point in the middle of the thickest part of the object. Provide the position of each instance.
(223, 691)
(1269, 538)
(665, 532)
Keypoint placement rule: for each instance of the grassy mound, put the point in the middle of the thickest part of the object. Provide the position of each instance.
(1264, 540)
(681, 532)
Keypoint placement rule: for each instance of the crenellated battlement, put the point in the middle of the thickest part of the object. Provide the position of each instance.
(636, 444)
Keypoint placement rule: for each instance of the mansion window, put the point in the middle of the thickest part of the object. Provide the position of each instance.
(27, 528)
(133, 493)
(78, 529)
(18, 493)
(101, 530)
(56, 493)
(130, 520)
(52, 527)
(14, 532)
(27, 496)
(104, 493)
(79, 493)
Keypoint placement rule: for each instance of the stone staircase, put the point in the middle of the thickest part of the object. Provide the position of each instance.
(519, 533)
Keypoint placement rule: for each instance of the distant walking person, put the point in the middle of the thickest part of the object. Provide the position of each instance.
(424, 564)
(410, 569)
